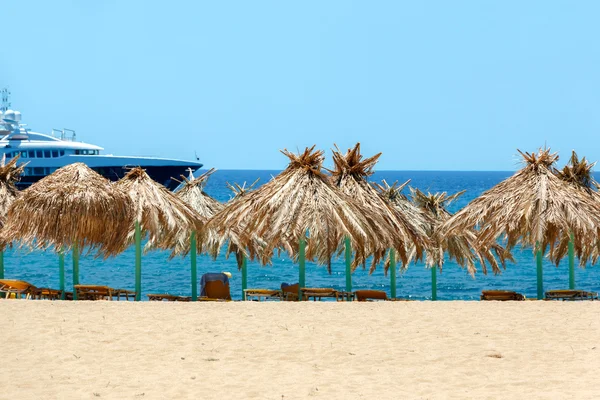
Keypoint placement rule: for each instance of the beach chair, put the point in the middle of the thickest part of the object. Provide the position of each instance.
(168, 297)
(319, 293)
(17, 289)
(570, 295)
(94, 292)
(370, 295)
(501, 295)
(215, 287)
(289, 292)
(258, 294)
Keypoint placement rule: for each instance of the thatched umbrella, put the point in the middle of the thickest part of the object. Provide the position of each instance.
(192, 193)
(462, 247)
(393, 195)
(168, 221)
(532, 208)
(73, 208)
(301, 199)
(578, 173)
(10, 174)
(350, 175)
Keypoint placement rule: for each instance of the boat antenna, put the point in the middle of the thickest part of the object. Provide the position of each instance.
(5, 95)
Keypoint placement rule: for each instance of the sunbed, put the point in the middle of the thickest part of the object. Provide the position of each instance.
(17, 289)
(501, 295)
(319, 293)
(215, 287)
(369, 295)
(289, 292)
(571, 295)
(262, 294)
(168, 297)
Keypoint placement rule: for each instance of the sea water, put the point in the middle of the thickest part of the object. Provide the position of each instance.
(163, 275)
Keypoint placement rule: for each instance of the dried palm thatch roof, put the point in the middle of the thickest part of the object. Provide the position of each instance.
(192, 193)
(217, 236)
(464, 247)
(350, 176)
(419, 217)
(578, 173)
(532, 207)
(301, 199)
(10, 174)
(166, 219)
(72, 206)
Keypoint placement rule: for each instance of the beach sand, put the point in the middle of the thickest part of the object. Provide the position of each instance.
(299, 350)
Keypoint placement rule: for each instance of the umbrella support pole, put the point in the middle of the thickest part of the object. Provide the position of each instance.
(302, 266)
(244, 277)
(1, 270)
(348, 257)
(138, 261)
(571, 262)
(540, 277)
(61, 274)
(75, 269)
(393, 273)
(194, 266)
(434, 283)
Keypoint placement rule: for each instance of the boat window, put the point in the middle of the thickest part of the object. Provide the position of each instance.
(23, 154)
(8, 155)
(62, 153)
(31, 154)
(47, 153)
(38, 171)
(54, 153)
(77, 152)
(40, 154)
(27, 171)
(50, 170)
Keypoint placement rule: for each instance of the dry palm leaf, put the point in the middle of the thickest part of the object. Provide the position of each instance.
(72, 206)
(350, 176)
(166, 219)
(192, 193)
(532, 208)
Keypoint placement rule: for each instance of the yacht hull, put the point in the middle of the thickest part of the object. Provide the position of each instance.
(162, 174)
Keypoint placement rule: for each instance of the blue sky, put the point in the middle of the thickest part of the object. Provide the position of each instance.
(434, 85)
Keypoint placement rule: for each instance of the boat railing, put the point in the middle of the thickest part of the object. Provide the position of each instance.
(64, 134)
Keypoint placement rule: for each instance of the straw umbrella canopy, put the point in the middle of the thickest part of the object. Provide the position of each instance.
(350, 175)
(168, 221)
(302, 200)
(193, 194)
(166, 218)
(533, 208)
(578, 173)
(72, 208)
(9, 175)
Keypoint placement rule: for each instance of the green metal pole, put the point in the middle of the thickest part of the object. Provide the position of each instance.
(434, 283)
(393, 273)
(571, 262)
(194, 266)
(348, 256)
(61, 274)
(75, 269)
(302, 265)
(540, 278)
(1, 265)
(244, 277)
(138, 261)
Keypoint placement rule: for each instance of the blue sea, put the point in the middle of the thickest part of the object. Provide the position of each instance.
(161, 275)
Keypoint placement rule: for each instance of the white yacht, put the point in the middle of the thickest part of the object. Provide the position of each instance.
(45, 153)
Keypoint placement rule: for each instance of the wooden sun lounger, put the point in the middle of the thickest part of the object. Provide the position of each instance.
(501, 295)
(370, 295)
(571, 295)
(319, 293)
(167, 297)
(216, 291)
(262, 293)
(94, 292)
(289, 292)
(18, 288)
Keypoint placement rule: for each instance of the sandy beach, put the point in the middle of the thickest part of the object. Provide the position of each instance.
(299, 350)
